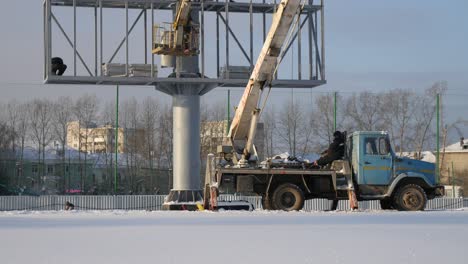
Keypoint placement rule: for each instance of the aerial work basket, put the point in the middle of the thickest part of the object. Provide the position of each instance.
(181, 42)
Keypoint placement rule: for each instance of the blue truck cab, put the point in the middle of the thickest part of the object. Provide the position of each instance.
(379, 174)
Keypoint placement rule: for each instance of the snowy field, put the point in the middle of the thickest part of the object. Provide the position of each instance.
(233, 237)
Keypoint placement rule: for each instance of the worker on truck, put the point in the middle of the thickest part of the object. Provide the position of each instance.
(334, 152)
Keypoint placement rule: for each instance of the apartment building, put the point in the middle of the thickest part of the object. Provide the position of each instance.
(93, 139)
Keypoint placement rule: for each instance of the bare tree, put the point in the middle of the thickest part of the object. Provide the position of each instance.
(85, 111)
(3, 111)
(291, 126)
(269, 121)
(40, 114)
(22, 126)
(149, 118)
(6, 144)
(309, 140)
(107, 117)
(62, 116)
(17, 116)
(364, 111)
(165, 137)
(12, 112)
(398, 114)
(6, 139)
(6, 147)
(424, 113)
(323, 120)
(130, 123)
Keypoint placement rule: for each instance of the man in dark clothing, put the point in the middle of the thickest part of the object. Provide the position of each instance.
(334, 152)
(58, 68)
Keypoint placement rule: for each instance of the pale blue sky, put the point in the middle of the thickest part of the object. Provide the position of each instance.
(370, 45)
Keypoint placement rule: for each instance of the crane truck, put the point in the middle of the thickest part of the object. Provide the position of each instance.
(369, 169)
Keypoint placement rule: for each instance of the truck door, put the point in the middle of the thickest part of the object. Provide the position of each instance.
(376, 160)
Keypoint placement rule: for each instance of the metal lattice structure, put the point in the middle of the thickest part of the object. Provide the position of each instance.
(310, 57)
(190, 60)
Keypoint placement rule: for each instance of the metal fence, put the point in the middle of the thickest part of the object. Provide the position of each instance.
(154, 202)
(82, 202)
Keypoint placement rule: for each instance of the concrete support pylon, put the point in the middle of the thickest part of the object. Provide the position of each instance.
(186, 191)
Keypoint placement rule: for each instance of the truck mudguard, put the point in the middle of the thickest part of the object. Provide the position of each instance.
(406, 175)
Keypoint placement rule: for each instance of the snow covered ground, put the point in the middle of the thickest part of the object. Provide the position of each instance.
(233, 237)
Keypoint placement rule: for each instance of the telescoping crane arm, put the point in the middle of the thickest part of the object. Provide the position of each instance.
(181, 20)
(183, 14)
(244, 124)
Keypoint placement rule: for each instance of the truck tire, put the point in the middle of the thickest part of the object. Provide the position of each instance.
(288, 197)
(386, 204)
(410, 197)
(266, 203)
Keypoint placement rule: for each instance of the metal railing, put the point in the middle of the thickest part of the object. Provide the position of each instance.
(82, 202)
(165, 40)
(154, 202)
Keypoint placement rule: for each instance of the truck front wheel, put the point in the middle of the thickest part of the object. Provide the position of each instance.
(410, 197)
(288, 197)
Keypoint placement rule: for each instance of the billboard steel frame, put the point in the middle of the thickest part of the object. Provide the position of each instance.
(314, 75)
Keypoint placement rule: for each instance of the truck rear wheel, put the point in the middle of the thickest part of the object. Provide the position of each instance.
(288, 197)
(410, 197)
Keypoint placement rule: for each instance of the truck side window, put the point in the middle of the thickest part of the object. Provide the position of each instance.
(371, 146)
(383, 146)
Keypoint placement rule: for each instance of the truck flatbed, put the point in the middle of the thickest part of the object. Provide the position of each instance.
(278, 172)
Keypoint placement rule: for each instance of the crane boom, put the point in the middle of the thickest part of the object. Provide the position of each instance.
(183, 14)
(244, 124)
(181, 20)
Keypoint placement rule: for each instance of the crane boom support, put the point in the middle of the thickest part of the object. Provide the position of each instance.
(183, 14)
(242, 129)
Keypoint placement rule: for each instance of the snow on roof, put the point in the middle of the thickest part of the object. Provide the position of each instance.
(457, 147)
(31, 153)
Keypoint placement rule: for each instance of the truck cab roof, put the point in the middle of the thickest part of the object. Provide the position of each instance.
(369, 133)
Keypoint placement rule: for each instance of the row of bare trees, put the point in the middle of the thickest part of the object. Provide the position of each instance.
(293, 125)
(301, 127)
(43, 124)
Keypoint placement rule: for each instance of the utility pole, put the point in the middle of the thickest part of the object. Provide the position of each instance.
(116, 139)
(453, 181)
(228, 111)
(69, 170)
(334, 111)
(438, 136)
